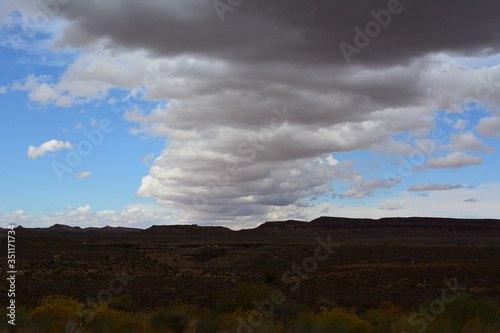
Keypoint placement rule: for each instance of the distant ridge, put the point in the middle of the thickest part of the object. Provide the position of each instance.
(192, 229)
(321, 225)
(62, 228)
(389, 225)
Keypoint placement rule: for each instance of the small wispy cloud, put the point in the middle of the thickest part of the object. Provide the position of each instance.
(391, 207)
(49, 146)
(457, 159)
(434, 187)
(84, 174)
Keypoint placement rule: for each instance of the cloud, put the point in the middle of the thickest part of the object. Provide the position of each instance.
(489, 127)
(470, 200)
(456, 159)
(49, 146)
(443, 204)
(146, 160)
(391, 146)
(3, 90)
(391, 207)
(318, 28)
(252, 113)
(461, 124)
(367, 188)
(84, 174)
(141, 216)
(467, 141)
(42, 91)
(433, 187)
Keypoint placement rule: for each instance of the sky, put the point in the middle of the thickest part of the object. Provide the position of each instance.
(236, 112)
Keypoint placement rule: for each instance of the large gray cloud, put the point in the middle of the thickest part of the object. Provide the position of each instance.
(232, 149)
(286, 31)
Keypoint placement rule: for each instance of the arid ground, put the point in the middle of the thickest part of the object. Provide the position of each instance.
(362, 272)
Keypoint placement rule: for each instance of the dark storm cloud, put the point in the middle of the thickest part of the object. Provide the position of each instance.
(287, 31)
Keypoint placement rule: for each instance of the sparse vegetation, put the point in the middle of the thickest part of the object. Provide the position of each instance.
(53, 313)
(359, 288)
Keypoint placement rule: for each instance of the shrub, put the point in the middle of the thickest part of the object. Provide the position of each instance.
(108, 320)
(334, 320)
(178, 318)
(244, 297)
(469, 315)
(383, 320)
(270, 276)
(53, 313)
(124, 303)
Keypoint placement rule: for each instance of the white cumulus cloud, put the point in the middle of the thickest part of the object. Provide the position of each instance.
(49, 146)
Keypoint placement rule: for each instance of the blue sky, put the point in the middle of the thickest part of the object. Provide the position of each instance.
(139, 134)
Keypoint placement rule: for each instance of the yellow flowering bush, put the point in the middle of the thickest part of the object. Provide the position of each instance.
(110, 320)
(53, 313)
(334, 320)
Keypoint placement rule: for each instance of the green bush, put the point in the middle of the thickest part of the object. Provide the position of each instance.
(108, 320)
(177, 319)
(124, 303)
(270, 276)
(243, 298)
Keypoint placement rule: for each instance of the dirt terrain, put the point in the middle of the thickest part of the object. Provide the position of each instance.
(365, 269)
